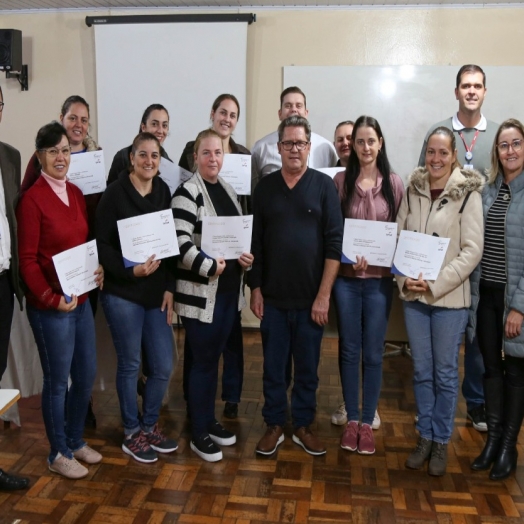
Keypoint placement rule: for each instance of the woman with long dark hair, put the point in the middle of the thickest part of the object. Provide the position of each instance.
(368, 190)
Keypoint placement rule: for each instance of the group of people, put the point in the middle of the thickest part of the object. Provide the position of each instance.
(468, 188)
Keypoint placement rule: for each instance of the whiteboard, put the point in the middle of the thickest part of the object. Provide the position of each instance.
(183, 66)
(406, 101)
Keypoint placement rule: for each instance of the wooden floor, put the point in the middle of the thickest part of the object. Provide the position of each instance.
(244, 488)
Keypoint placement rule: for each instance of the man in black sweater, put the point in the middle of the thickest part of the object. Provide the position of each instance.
(297, 245)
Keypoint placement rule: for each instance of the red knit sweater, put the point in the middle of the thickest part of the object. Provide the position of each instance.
(46, 227)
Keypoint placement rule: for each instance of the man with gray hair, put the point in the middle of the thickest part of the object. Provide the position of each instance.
(297, 245)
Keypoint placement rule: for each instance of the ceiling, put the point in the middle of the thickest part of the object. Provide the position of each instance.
(26, 5)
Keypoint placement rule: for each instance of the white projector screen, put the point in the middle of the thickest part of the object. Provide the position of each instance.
(406, 101)
(183, 66)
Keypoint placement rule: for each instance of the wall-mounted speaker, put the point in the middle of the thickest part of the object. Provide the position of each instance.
(10, 50)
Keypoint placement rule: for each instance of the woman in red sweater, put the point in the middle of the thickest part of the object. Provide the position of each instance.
(52, 218)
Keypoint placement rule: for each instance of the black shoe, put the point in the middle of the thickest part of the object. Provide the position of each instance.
(231, 410)
(221, 435)
(12, 482)
(477, 416)
(494, 395)
(205, 448)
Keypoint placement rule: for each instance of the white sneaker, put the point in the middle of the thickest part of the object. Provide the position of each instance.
(340, 416)
(68, 468)
(88, 455)
(376, 421)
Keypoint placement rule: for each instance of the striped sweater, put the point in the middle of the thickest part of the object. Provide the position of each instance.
(196, 283)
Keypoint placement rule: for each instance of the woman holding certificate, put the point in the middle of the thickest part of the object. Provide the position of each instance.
(497, 295)
(209, 293)
(51, 219)
(442, 200)
(368, 190)
(138, 301)
(224, 116)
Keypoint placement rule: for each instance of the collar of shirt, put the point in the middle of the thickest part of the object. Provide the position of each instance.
(458, 126)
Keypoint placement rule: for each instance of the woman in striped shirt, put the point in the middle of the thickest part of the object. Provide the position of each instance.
(498, 299)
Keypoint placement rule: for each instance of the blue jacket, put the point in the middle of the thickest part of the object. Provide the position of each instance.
(514, 247)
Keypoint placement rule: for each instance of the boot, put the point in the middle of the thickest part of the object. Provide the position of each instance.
(506, 460)
(494, 395)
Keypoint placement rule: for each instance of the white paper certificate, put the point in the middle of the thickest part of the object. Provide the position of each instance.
(236, 171)
(331, 171)
(87, 171)
(419, 253)
(376, 241)
(172, 174)
(146, 235)
(226, 237)
(76, 267)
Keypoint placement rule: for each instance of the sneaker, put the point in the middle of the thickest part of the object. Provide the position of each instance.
(439, 459)
(68, 468)
(87, 455)
(376, 421)
(231, 410)
(420, 454)
(273, 437)
(159, 442)
(349, 439)
(138, 447)
(478, 418)
(304, 437)
(205, 448)
(339, 416)
(366, 440)
(221, 435)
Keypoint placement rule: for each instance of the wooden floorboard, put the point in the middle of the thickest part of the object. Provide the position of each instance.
(289, 487)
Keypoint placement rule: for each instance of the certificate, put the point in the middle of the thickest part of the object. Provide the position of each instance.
(419, 253)
(226, 237)
(146, 235)
(172, 174)
(236, 171)
(376, 241)
(76, 269)
(331, 171)
(87, 171)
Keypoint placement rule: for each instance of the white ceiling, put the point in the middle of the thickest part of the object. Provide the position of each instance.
(26, 5)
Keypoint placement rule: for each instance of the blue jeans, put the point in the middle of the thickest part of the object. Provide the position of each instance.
(66, 344)
(135, 329)
(363, 306)
(206, 343)
(284, 333)
(472, 385)
(435, 335)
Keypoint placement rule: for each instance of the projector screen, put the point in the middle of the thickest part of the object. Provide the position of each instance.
(406, 101)
(183, 66)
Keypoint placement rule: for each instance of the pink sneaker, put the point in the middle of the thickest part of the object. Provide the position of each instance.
(349, 439)
(366, 440)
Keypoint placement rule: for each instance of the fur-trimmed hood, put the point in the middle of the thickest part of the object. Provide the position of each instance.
(461, 182)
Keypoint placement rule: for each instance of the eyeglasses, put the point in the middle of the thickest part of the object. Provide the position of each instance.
(2, 104)
(288, 145)
(503, 147)
(54, 152)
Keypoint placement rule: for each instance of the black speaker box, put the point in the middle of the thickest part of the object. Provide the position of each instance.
(10, 50)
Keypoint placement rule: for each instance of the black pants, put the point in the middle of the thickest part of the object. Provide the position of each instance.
(7, 302)
(490, 334)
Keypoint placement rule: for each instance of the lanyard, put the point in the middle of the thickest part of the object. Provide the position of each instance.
(469, 150)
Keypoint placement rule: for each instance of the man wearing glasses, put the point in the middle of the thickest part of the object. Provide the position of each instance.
(9, 279)
(265, 157)
(474, 137)
(297, 244)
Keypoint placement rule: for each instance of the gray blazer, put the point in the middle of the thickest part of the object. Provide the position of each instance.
(11, 175)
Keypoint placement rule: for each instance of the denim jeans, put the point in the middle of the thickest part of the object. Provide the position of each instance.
(233, 364)
(66, 344)
(135, 329)
(435, 335)
(472, 384)
(284, 333)
(363, 306)
(206, 343)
